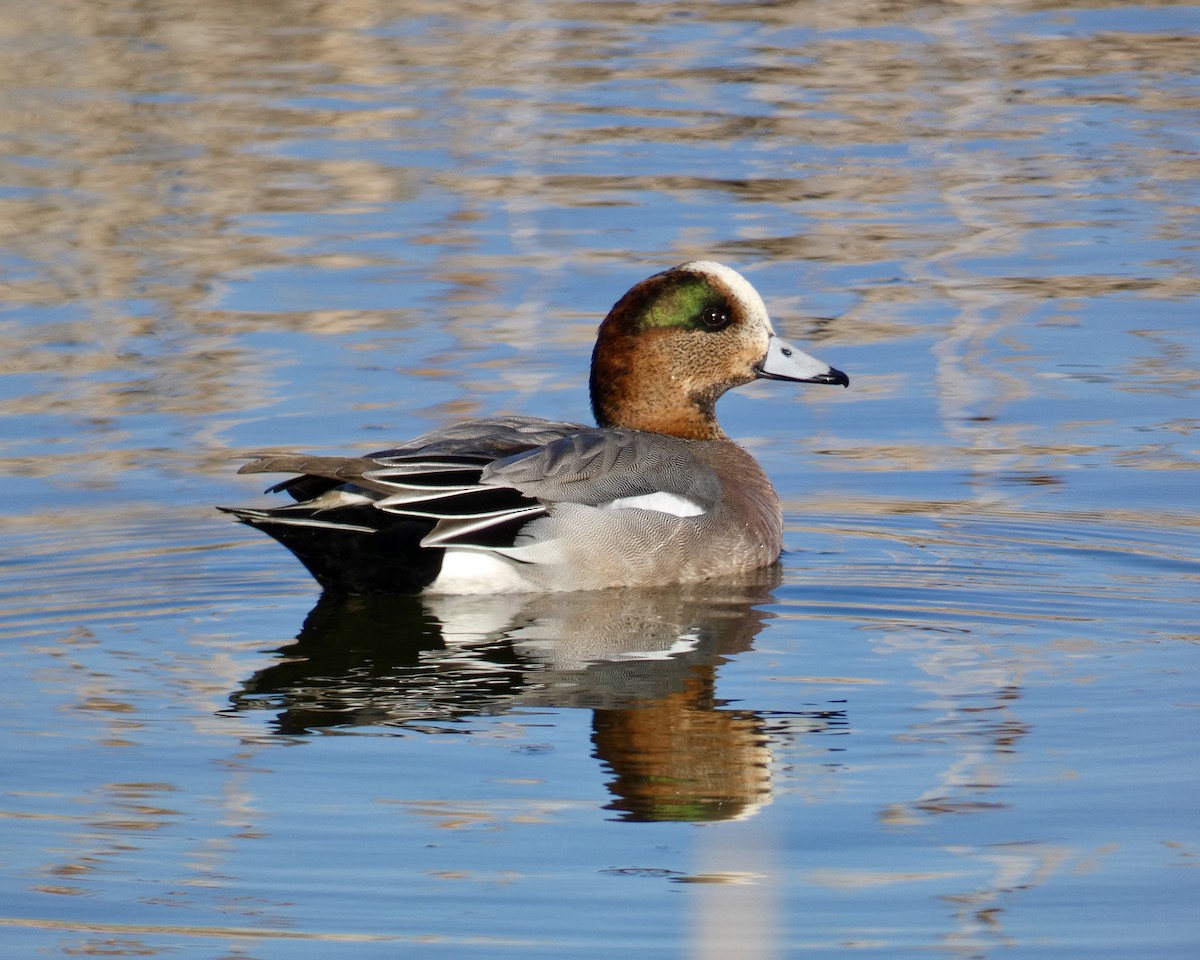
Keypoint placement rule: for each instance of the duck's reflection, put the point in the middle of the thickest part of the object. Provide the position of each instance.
(645, 661)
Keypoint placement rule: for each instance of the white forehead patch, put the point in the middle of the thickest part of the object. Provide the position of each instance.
(738, 285)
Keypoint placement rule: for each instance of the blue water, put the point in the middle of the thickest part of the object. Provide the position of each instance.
(960, 720)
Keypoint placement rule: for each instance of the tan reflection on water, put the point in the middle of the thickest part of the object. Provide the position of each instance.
(146, 142)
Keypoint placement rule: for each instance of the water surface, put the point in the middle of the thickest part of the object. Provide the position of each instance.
(960, 719)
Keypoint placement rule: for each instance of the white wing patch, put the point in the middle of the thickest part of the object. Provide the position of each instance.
(660, 502)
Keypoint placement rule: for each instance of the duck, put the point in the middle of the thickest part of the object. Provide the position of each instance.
(654, 494)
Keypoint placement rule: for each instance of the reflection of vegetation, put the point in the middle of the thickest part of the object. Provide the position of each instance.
(153, 157)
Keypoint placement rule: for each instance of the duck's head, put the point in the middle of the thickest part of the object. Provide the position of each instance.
(677, 341)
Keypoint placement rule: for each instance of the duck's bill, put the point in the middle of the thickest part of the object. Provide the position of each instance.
(785, 362)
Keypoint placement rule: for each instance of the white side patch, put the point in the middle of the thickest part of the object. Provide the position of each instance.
(661, 502)
(478, 571)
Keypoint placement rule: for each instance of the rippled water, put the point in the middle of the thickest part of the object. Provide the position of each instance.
(961, 719)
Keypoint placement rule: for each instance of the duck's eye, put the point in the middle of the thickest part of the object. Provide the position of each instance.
(714, 317)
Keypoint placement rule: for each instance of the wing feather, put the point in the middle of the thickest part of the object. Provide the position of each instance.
(478, 484)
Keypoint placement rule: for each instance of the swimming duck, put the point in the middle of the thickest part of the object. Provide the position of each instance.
(654, 494)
